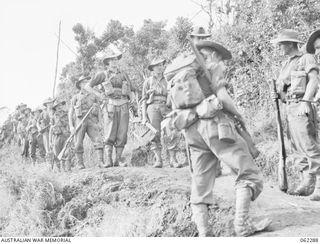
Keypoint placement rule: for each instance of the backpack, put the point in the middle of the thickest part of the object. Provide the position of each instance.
(184, 88)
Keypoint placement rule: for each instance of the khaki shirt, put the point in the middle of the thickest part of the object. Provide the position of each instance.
(299, 62)
(154, 87)
(82, 102)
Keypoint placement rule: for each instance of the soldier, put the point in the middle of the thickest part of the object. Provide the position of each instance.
(200, 34)
(59, 133)
(43, 125)
(118, 93)
(22, 133)
(313, 47)
(210, 134)
(80, 105)
(297, 81)
(154, 108)
(35, 138)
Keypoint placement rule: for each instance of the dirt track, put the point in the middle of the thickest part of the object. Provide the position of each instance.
(133, 202)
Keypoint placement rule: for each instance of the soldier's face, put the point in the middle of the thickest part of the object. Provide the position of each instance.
(316, 45)
(207, 54)
(113, 63)
(158, 69)
(285, 47)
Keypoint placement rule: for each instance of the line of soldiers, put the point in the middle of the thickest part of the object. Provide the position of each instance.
(189, 96)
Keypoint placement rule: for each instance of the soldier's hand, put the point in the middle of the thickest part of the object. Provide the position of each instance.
(144, 120)
(71, 129)
(304, 109)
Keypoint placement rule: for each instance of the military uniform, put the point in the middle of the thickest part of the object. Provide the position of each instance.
(43, 124)
(23, 136)
(118, 88)
(35, 140)
(59, 133)
(211, 136)
(298, 80)
(155, 107)
(80, 105)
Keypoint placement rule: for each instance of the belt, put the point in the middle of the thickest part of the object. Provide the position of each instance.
(117, 102)
(294, 98)
(158, 102)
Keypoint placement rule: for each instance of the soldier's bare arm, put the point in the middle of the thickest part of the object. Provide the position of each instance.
(98, 79)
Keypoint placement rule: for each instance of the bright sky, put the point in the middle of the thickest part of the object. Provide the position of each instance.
(28, 42)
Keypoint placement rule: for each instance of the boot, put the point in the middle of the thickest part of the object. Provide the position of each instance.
(33, 161)
(173, 160)
(100, 158)
(242, 224)
(118, 161)
(158, 163)
(200, 215)
(316, 194)
(109, 162)
(79, 157)
(307, 185)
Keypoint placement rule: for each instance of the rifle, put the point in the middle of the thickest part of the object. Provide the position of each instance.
(68, 141)
(44, 128)
(241, 129)
(282, 174)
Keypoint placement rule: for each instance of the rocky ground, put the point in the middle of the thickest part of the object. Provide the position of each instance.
(134, 201)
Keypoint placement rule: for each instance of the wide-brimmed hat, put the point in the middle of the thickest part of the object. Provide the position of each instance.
(155, 62)
(225, 53)
(58, 103)
(21, 105)
(47, 101)
(38, 109)
(26, 109)
(311, 40)
(287, 35)
(200, 32)
(81, 79)
(109, 57)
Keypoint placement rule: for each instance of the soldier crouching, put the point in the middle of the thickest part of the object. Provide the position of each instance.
(211, 136)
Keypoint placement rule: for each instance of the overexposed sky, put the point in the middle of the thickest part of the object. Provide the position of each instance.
(28, 42)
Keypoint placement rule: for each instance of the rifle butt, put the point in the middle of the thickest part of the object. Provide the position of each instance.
(282, 176)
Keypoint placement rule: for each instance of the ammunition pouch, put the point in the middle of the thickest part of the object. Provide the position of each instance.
(298, 82)
(182, 119)
(78, 110)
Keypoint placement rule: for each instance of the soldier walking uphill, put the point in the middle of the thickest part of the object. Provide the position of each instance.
(35, 138)
(59, 133)
(201, 105)
(117, 94)
(297, 84)
(154, 108)
(80, 105)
